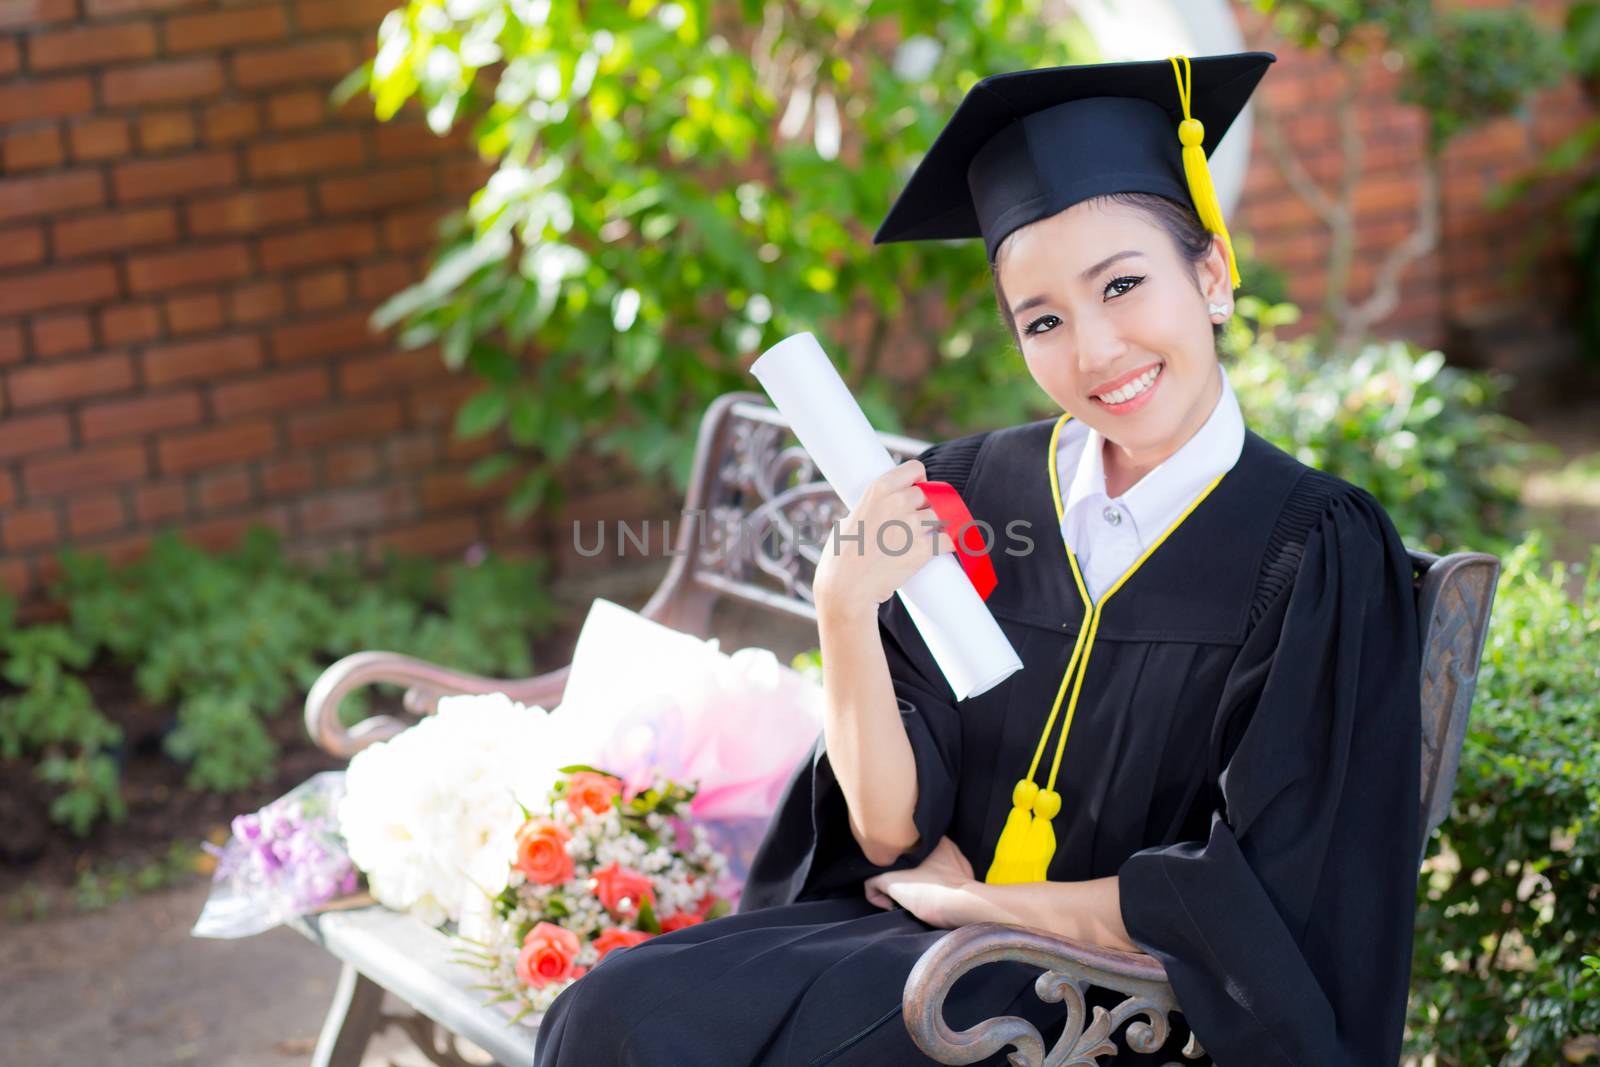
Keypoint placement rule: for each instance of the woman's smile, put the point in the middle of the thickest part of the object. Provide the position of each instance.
(1132, 394)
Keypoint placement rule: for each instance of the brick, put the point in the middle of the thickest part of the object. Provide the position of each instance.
(382, 189)
(232, 121)
(322, 337)
(219, 535)
(16, 578)
(21, 246)
(47, 194)
(29, 527)
(298, 109)
(437, 407)
(390, 370)
(322, 290)
(99, 138)
(322, 61)
(195, 313)
(91, 46)
(163, 130)
(140, 415)
(32, 149)
(89, 468)
(122, 324)
(410, 452)
(278, 391)
(162, 81)
(312, 428)
(453, 490)
(350, 509)
(152, 503)
(11, 345)
(378, 281)
(287, 477)
(217, 447)
(10, 56)
(115, 231)
(414, 230)
(225, 490)
(26, 14)
(195, 360)
(434, 537)
(248, 211)
(26, 435)
(314, 15)
(211, 30)
(299, 156)
(114, 8)
(173, 176)
(8, 489)
(95, 514)
(44, 288)
(462, 177)
(156, 272)
(256, 302)
(351, 464)
(45, 98)
(63, 334)
(325, 244)
(411, 140)
(31, 386)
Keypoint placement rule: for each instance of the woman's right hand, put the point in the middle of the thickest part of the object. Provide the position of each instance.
(884, 540)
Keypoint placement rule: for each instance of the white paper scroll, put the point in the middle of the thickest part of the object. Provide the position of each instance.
(962, 635)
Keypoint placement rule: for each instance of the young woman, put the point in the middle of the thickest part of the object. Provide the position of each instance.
(1212, 751)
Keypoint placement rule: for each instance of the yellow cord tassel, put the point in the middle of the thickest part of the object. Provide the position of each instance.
(1192, 133)
(1041, 841)
(1008, 864)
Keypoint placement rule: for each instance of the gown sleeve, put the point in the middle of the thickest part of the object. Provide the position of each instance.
(1287, 932)
(808, 851)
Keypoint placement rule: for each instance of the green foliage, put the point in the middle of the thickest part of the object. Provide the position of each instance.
(1423, 437)
(227, 640)
(1476, 65)
(679, 186)
(1508, 899)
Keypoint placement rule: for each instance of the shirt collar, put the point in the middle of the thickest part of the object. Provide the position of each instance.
(1156, 499)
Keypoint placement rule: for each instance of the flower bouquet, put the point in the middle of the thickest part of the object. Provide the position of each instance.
(280, 862)
(604, 868)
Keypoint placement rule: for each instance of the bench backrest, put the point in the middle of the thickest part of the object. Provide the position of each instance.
(756, 502)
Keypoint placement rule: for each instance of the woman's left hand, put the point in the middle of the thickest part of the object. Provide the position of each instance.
(937, 891)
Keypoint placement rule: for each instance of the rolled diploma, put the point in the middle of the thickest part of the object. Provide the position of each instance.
(961, 634)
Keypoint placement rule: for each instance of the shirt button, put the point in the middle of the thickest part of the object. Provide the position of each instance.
(1112, 515)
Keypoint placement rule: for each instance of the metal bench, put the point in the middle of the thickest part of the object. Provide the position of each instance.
(751, 477)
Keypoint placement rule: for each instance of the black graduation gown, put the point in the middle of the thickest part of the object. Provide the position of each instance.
(1244, 757)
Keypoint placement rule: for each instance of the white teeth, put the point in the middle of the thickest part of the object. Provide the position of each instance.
(1133, 388)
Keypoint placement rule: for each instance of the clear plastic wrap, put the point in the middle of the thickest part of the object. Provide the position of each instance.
(282, 861)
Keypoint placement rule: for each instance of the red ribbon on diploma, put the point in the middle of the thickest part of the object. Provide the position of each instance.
(967, 535)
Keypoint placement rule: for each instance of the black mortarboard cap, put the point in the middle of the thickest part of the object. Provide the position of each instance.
(1026, 144)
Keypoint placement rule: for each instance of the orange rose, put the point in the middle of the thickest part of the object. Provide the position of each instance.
(616, 884)
(617, 937)
(678, 920)
(587, 789)
(547, 955)
(542, 852)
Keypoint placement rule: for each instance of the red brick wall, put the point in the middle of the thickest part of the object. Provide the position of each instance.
(190, 245)
(1468, 279)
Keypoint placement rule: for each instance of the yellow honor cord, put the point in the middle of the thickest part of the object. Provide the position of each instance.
(1027, 841)
(1191, 132)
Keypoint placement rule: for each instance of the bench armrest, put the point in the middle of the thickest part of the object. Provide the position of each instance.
(426, 683)
(1069, 967)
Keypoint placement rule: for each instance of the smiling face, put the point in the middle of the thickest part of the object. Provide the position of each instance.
(1113, 323)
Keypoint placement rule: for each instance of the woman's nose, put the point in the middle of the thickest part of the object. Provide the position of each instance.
(1100, 349)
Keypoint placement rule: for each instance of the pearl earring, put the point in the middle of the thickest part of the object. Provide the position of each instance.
(1221, 309)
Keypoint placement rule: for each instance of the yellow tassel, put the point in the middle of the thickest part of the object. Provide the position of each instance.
(1009, 853)
(1192, 133)
(1041, 840)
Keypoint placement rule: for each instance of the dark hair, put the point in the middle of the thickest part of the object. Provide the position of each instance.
(1182, 223)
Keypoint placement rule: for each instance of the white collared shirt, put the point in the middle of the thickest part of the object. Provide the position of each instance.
(1108, 533)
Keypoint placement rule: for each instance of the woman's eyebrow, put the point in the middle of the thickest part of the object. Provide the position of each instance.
(1088, 275)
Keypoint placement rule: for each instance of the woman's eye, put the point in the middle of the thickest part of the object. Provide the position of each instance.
(1042, 318)
(1122, 285)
